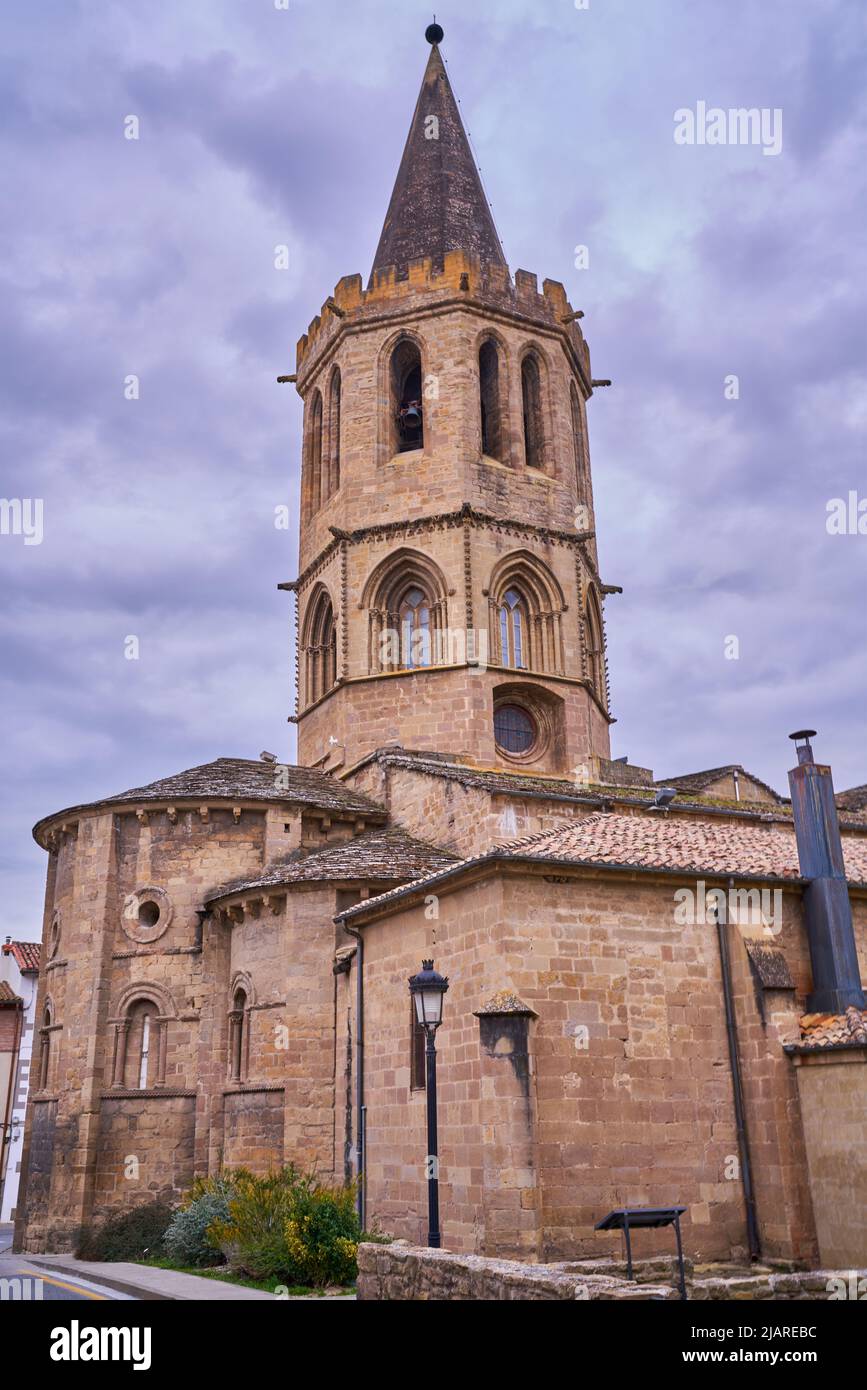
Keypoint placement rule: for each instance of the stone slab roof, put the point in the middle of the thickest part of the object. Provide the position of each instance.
(377, 855)
(657, 842)
(518, 784)
(242, 779)
(26, 955)
(855, 799)
(438, 203)
(698, 781)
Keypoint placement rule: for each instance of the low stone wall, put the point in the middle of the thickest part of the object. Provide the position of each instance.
(411, 1272)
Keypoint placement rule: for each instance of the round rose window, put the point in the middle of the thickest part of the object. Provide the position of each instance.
(514, 729)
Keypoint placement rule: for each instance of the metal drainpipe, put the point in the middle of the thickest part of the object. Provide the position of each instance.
(737, 1088)
(361, 1201)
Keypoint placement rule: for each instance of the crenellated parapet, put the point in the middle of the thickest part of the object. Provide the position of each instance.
(463, 281)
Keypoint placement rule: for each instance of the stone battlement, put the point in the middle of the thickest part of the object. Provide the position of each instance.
(480, 283)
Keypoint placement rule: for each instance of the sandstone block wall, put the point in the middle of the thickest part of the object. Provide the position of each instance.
(629, 1078)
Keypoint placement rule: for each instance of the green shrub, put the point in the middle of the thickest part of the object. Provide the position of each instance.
(322, 1236)
(186, 1239)
(131, 1235)
(287, 1226)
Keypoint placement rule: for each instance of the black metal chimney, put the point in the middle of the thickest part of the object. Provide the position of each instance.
(836, 977)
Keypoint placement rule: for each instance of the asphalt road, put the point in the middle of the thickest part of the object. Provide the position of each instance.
(32, 1282)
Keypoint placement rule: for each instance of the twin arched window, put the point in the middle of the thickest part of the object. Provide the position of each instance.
(526, 614)
(406, 600)
(323, 445)
(319, 648)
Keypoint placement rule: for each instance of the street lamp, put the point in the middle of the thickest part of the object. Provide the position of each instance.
(427, 989)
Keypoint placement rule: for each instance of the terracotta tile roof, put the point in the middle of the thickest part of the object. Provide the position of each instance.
(657, 841)
(25, 954)
(698, 781)
(7, 994)
(377, 855)
(834, 1030)
(243, 779)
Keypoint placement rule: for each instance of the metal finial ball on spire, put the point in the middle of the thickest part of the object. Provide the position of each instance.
(434, 33)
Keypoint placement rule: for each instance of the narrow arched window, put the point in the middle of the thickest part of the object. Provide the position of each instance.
(239, 1025)
(334, 435)
(513, 626)
(314, 452)
(406, 398)
(142, 1045)
(578, 444)
(489, 401)
(414, 615)
(531, 393)
(45, 1049)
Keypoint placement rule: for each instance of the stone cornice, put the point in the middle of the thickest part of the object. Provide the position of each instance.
(465, 515)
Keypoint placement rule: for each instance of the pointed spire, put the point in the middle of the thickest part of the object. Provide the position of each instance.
(438, 203)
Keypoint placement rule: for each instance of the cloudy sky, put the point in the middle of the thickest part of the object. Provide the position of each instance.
(262, 126)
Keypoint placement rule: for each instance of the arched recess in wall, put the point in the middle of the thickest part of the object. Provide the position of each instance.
(407, 607)
(331, 475)
(525, 614)
(402, 366)
(313, 452)
(534, 410)
(493, 399)
(595, 645)
(319, 646)
(140, 1046)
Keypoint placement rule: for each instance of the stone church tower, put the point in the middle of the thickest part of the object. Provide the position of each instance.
(448, 597)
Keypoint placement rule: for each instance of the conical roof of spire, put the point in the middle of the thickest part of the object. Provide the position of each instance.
(438, 203)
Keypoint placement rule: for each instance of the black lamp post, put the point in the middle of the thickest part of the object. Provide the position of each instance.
(427, 989)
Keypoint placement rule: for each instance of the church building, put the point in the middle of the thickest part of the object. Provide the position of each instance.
(654, 984)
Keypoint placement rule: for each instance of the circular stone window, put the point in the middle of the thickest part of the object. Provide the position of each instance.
(146, 915)
(514, 729)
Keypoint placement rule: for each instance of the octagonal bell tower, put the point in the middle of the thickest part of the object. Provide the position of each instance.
(448, 596)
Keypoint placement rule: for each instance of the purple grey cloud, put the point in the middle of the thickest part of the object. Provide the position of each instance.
(262, 127)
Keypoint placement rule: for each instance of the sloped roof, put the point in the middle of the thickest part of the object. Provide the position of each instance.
(242, 779)
(7, 994)
(536, 787)
(656, 842)
(698, 781)
(438, 203)
(855, 799)
(26, 955)
(820, 1031)
(377, 855)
